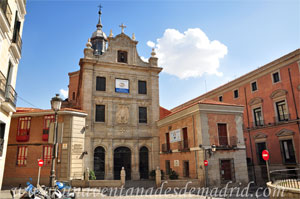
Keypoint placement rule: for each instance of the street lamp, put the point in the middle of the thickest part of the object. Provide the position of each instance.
(55, 105)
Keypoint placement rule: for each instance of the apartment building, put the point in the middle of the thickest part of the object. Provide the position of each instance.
(31, 139)
(205, 130)
(271, 97)
(11, 26)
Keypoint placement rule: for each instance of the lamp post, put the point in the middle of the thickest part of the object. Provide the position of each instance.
(55, 105)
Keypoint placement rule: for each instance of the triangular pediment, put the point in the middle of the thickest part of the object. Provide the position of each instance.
(285, 132)
(260, 135)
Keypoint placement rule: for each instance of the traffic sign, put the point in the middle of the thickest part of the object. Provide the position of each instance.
(205, 163)
(265, 155)
(41, 162)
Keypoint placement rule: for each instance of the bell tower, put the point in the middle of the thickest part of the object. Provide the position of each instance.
(99, 38)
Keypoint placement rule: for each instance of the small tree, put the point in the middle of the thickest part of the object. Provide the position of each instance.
(92, 175)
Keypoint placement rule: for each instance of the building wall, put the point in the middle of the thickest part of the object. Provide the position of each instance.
(265, 97)
(69, 165)
(8, 52)
(114, 133)
(189, 123)
(202, 121)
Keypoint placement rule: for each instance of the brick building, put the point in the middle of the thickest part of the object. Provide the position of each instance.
(271, 96)
(189, 136)
(29, 141)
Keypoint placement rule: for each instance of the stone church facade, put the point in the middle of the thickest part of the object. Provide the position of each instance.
(120, 94)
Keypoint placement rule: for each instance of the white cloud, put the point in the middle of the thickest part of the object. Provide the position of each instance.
(144, 59)
(189, 54)
(64, 93)
(151, 44)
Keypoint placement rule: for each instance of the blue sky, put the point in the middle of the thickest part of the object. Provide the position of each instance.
(253, 32)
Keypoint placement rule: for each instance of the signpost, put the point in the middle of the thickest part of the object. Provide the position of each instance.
(40, 163)
(266, 157)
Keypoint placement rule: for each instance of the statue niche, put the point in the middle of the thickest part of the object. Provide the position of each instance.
(122, 114)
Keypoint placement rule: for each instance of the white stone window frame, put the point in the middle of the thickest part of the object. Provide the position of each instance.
(238, 93)
(253, 107)
(278, 99)
(252, 91)
(277, 71)
(286, 136)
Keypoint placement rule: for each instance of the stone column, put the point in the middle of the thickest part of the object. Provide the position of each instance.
(158, 177)
(135, 163)
(109, 163)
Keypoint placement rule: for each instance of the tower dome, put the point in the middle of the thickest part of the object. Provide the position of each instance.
(99, 38)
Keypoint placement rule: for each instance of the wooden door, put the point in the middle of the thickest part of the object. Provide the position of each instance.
(226, 174)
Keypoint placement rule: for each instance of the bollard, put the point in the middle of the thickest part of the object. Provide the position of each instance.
(123, 176)
(158, 177)
(87, 174)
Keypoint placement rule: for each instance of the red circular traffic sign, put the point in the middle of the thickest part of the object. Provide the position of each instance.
(41, 163)
(205, 163)
(265, 155)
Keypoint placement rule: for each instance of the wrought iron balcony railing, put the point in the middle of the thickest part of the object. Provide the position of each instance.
(282, 118)
(2, 84)
(257, 124)
(183, 145)
(11, 95)
(225, 141)
(165, 148)
(4, 6)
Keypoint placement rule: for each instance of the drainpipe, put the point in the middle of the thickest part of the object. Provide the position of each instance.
(294, 100)
(248, 130)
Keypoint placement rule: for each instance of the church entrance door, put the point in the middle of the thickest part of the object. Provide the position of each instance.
(144, 163)
(99, 163)
(122, 158)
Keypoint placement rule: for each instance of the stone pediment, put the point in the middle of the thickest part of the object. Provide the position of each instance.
(260, 135)
(278, 93)
(256, 100)
(285, 132)
(122, 42)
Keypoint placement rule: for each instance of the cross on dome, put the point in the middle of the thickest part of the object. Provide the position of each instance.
(122, 26)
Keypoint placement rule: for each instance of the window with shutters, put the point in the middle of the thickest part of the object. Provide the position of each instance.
(22, 156)
(142, 87)
(23, 129)
(222, 131)
(100, 83)
(47, 155)
(282, 113)
(100, 113)
(48, 119)
(142, 114)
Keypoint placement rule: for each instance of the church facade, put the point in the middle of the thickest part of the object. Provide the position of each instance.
(120, 93)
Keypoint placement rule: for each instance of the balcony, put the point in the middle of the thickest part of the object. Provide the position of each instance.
(257, 124)
(16, 45)
(23, 136)
(45, 135)
(227, 142)
(282, 118)
(5, 15)
(165, 148)
(183, 145)
(11, 95)
(1, 146)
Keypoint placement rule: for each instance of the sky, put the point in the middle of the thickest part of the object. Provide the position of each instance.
(200, 44)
